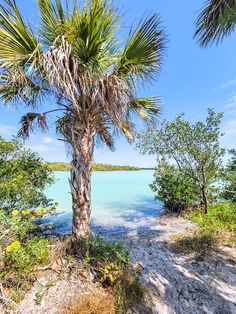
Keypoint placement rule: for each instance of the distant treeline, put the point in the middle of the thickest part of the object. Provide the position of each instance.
(63, 166)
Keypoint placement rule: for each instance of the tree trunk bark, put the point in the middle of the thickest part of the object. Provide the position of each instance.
(80, 183)
(205, 201)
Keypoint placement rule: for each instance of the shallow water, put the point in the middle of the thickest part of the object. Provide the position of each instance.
(121, 200)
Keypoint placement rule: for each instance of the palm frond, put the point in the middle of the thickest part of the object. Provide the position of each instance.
(53, 20)
(29, 121)
(104, 136)
(144, 49)
(216, 21)
(17, 87)
(147, 108)
(18, 45)
(92, 34)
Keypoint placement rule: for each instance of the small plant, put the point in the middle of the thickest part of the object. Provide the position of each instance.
(112, 267)
(110, 274)
(129, 291)
(103, 252)
(217, 227)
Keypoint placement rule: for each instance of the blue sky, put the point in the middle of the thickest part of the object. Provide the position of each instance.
(192, 79)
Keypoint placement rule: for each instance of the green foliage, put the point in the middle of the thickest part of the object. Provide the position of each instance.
(174, 188)
(23, 177)
(217, 227)
(87, 37)
(129, 292)
(107, 167)
(62, 166)
(59, 166)
(112, 266)
(105, 252)
(220, 220)
(22, 250)
(229, 191)
(194, 149)
(216, 21)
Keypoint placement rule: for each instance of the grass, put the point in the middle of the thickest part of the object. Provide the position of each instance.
(215, 228)
(91, 303)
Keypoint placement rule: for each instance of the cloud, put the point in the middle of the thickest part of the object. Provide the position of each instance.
(50, 140)
(7, 129)
(39, 148)
(229, 127)
(228, 84)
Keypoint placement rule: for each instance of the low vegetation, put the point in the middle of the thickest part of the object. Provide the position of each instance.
(216, 228)
(229, 191)
(91, 303)
(110, 263)
(62, 166)
(23, 249)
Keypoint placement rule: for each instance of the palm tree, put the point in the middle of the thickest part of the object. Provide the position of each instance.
(216, 21)
(75, 56)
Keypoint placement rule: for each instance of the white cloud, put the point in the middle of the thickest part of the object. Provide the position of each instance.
(7, 129)
(39, 148)
(229, 127)
(51, 140)
(228, 84)
(48, 140)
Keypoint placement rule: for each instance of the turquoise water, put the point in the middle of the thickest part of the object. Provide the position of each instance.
(120, 200)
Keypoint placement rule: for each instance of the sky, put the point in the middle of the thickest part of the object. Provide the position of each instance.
(192, 79)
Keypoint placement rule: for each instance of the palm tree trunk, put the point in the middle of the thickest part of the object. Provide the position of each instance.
(80, 183)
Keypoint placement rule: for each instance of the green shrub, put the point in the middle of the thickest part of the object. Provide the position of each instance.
(23, 177)
(216, 227)
(176, 190)
(229, 192)
(22, 251)
(220, 221)
(106, 252)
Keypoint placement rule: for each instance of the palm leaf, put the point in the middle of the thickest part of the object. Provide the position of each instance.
(147, 108)
(17, 42)
(53, 20)
(29, 121)
(93, 34)
(216, 21)
(143, 52)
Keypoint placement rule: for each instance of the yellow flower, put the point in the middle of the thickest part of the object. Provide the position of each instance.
(15, 212)
(26, 212)
(38, 212)
(13, 246)
(44, 211)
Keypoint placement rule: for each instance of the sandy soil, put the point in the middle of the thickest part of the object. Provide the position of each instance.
(178, 283)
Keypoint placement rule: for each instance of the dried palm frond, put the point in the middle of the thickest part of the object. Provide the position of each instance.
(29, 121)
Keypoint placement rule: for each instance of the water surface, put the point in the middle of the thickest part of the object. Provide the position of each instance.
(121, 200)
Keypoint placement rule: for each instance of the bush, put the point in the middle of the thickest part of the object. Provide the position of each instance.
(195, 150)
(176, 190)
(217, 227)
(22, 250)
(229, 192)
(23, 177)
(106, 252)
(220, 221)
